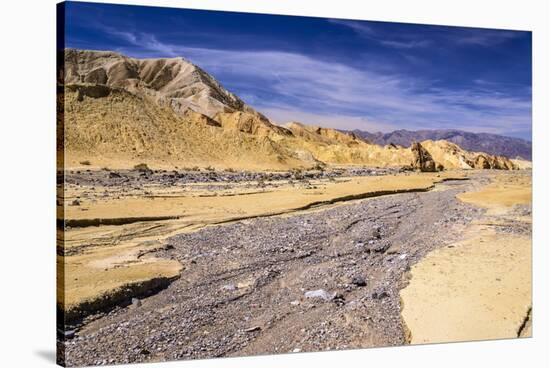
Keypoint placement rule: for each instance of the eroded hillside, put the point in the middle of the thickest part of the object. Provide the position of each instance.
(121, 111)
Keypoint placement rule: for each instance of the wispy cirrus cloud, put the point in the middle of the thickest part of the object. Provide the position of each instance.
(342, 73)
(411, 44)
(125, 35)
(292, 86)
(145, 41)
(361, 28)
(442, 35)
(298, 86)
(401, 41)
(466, 36)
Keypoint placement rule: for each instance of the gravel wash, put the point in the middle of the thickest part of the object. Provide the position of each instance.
(323, 279)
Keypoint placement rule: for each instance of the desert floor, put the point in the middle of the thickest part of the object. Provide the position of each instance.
(166, 265)
(480, 287)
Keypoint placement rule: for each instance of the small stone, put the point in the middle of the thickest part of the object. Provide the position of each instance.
(136, 302)
(359, 281)
(339, 299)
(295, 302)
(229, 287)
(297, 350)
(253, 329)
(69, 334)
(320, 293)
(376, 233)
(380, 294)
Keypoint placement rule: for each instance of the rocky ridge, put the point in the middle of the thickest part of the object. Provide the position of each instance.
(493, 144)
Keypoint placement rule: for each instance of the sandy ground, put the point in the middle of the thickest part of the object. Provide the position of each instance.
(197, 207)
(412, 267)
(103, 264)
(245, 287)
(478, 288)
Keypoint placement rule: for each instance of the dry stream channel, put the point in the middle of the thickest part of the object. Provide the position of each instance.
(322, 279)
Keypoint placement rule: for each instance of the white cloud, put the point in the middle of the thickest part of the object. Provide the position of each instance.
(366, 31)
(360, 27)
(412, 44)
(454, 35)
(485, 37)
(282, 116)
(328, 93)
(127, 36)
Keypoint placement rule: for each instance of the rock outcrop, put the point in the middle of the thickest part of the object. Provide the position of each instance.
(198, 118)
(250, 123)
(422, 161)
(451, 155)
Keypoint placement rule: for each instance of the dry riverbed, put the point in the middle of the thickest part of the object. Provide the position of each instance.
(286, 267)
(115, 223)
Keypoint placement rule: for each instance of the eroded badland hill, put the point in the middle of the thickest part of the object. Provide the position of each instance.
(121, 111)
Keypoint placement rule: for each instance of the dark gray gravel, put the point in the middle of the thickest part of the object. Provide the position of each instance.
(106, 177)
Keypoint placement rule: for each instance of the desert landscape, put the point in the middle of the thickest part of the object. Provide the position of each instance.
(192, 226)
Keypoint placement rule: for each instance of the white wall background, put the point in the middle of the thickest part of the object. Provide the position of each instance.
(27, 179)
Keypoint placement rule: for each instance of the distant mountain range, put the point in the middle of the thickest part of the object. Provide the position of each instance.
(493, 144)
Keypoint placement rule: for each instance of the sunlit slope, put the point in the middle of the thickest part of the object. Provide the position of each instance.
(121, 111)
(121, 129)
(451, 155)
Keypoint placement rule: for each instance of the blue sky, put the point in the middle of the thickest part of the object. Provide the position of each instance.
(347, 74)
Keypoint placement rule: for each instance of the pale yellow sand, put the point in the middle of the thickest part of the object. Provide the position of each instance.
(198, 208)
(479, 288)
(506, 190)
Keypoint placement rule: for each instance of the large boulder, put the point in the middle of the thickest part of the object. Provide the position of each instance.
(422, 160)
